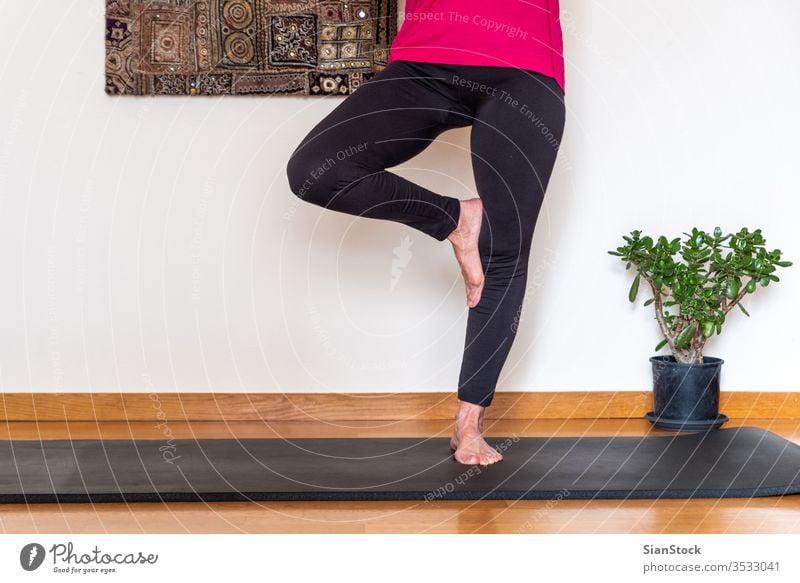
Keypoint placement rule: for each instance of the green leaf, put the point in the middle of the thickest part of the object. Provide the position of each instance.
(741, 307)
(751, 286)
(634, 288)
(708, 328)
(648, 302)
(661, 344)
(684, 339)
(732, 288)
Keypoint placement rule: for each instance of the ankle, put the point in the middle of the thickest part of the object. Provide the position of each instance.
(469, 416)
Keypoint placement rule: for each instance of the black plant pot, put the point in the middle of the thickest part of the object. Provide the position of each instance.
(686, 396)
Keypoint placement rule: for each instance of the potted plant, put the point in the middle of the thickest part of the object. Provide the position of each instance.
(695, 283)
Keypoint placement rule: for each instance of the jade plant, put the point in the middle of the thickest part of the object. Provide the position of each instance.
(696, 281)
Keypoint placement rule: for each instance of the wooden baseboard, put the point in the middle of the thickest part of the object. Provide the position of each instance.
(141, 406)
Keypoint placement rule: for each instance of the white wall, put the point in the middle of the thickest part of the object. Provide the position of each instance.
(153, 243)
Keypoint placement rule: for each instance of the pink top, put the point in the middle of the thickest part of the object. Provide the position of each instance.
(525, 34)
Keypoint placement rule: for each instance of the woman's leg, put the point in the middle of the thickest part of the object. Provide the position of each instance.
(514, 142)
(341, 164)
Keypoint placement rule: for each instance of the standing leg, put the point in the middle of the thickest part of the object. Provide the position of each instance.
(341, 164)
(514, 142)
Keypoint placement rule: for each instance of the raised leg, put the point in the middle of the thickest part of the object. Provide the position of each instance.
(341, 164)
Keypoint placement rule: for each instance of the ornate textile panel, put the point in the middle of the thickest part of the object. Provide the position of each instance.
(245, 47)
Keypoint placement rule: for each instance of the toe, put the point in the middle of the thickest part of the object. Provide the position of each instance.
(493, 455)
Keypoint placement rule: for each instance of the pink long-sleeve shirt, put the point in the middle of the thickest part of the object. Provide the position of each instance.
(525, 34)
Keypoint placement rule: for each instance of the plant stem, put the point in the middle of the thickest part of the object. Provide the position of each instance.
(696, 353)
(727, 308)
(660, 314)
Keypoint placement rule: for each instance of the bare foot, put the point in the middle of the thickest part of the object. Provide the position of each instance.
(467, 441)
(465, 244)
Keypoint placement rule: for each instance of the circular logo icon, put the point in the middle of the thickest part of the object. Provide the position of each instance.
(31, 556)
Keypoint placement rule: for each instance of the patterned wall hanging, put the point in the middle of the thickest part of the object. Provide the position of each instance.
(245, 47)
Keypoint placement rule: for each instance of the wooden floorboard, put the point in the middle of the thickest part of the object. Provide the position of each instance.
(729, 515)
(332, 407)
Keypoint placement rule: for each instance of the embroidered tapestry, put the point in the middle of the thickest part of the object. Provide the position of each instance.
(245, 47)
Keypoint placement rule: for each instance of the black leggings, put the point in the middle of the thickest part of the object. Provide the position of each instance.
(517, 120)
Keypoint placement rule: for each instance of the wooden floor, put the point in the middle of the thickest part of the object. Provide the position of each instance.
(731, 515)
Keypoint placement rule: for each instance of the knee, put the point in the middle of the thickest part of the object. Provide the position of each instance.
(299, 172)
(506, 268)
(315, 179)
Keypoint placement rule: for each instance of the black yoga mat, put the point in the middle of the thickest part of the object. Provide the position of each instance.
(731, 462)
